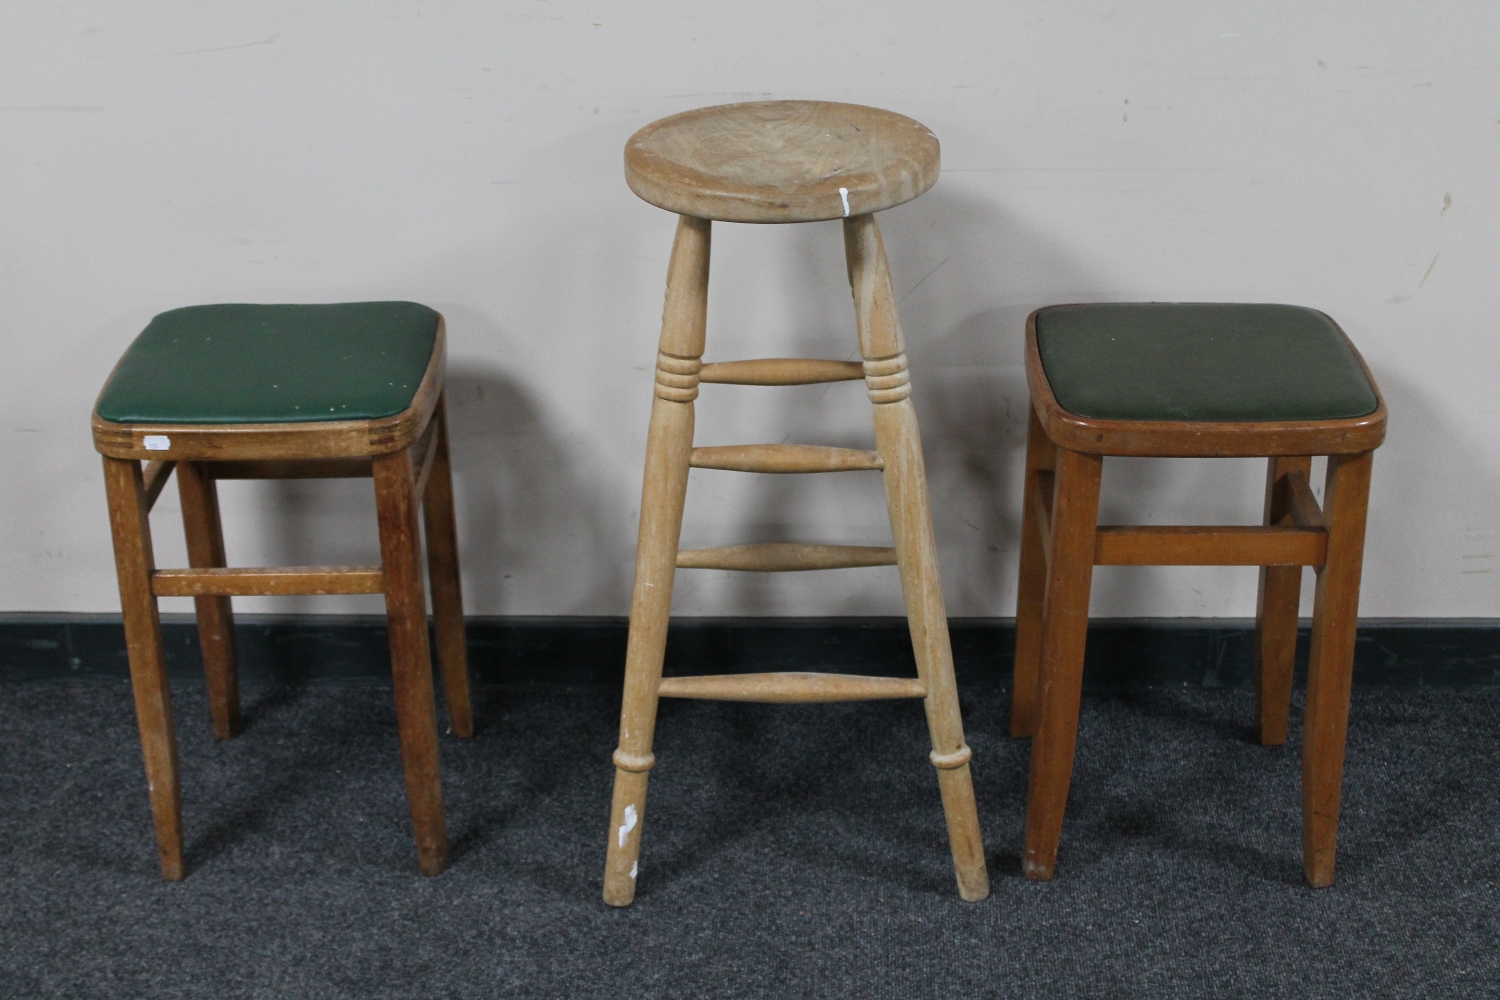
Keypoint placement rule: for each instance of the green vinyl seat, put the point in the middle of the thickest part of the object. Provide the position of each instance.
(258, 392)
(1200, 362)
(266, 364)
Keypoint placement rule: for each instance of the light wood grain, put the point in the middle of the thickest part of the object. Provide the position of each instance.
(669, 445)
(268, 581)
(899, 442)
(1330, 662)
(1276, 606)
(790, 688)
(784, 458)
(781, 161)
(675, 163)
(205, 547)
(782, 557)
(781, 371)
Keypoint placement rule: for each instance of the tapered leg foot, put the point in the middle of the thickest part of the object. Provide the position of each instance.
(1331, 662)
(411, 661)
(669, 447)
(626, 814)
(899, 441)
(1075, 510)
(134, 564)
(962, 815)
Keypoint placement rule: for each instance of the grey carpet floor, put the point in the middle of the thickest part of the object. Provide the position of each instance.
(789, 851)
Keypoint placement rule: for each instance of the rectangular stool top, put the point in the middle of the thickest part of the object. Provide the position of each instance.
(258, 364)
(1200, 362)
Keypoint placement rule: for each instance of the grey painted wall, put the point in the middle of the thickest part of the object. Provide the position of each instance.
(467, 155)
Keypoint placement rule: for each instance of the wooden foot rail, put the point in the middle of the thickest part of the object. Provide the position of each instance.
(784, 458)
(789, 688)
(782, 557)
(1201, 545)
(781, 371)
(266, 582)
(1209, 545)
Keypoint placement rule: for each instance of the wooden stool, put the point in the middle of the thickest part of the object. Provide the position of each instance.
(286, 392)
(783, 161)
(1188, 381)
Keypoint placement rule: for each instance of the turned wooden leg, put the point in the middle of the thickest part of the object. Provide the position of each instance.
(134, 563)
(411, 661)
(442, 568)
(1276, 612)
(900, 445)
(1031, 592)
(205, 548)
(1065, 619)
(669, 445)
(1346, 498)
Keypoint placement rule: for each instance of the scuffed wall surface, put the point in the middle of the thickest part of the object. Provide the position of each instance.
(467, 155)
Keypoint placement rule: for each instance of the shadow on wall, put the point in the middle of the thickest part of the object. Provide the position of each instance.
(531, 532)
(516, 486)
(967, 275)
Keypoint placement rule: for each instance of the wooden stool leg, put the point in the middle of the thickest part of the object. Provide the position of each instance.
(669, 445)
(1346, 498)
(411, 661)
(442, 568)
(134, 563)
(1031, 592)
(1075, 515)
(899, 442)
(205, 548)
(1276, 612)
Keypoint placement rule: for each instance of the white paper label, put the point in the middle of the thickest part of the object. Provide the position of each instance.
(157, 442)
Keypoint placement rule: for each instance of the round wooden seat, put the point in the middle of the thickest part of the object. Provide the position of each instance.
(781, 161)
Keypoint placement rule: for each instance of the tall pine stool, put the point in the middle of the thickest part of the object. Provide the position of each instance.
(783, 161)
(286, 392)
(1194, 381)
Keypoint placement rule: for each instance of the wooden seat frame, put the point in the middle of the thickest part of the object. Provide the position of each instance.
(897, 455)
(407, 456)
(1061, 543)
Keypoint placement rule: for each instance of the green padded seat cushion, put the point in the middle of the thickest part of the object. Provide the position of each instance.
(254, 364)
(1200, 361)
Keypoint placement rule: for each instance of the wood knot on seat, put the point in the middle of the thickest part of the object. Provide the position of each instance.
(887, 379)
(948, 761)
(677, 378)
(631, 762)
